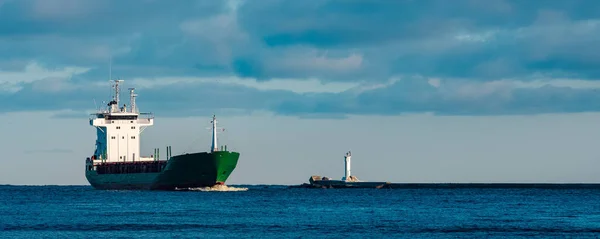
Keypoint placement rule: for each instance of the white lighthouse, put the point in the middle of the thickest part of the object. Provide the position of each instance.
(347, 168)
(118, 130)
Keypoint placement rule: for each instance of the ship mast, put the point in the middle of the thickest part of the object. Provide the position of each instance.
(114, 104)
(117, 91)
(214, 134)
(132, 96)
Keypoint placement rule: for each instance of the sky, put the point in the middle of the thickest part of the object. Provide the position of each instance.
(420, 91)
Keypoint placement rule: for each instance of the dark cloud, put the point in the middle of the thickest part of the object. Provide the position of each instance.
(464, 38)
(182, 99)
(410, 95)
(142, 35)
(500, 38)
(351, 23)
(89, 18)
(461, 42)
(417, 96)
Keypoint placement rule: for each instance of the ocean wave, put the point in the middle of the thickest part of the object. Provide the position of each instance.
(216, 188)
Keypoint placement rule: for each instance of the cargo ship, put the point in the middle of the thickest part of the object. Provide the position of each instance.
(117, 164)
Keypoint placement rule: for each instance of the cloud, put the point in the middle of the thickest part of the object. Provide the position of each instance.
(45, 79)
(505, 39)
(175, 97)
(308, 58)
(419, 95)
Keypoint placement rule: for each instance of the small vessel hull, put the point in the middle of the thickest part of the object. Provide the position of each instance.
(193, 170)
(344, 184)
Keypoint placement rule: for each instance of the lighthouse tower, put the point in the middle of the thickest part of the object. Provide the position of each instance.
(347, 162)
(118, 129)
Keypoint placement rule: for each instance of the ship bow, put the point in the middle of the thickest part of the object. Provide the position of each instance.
(193, 170)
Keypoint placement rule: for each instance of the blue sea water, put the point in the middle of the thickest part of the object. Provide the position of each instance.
(279, 212)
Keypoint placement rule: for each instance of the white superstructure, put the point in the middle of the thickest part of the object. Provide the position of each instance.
(347, 168)
(118, 130)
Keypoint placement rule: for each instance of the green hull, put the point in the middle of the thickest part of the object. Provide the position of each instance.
(181, 171)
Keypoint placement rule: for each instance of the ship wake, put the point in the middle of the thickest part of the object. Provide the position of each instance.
(216, 188)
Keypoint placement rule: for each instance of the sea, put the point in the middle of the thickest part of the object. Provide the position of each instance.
(272, 211)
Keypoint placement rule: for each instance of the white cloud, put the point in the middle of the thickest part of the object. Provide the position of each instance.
(294, 85)
(367, 87)
(45, 79)
(435, 82)
(478, 90)
(10, 80)
(476, 37)
(571, 83)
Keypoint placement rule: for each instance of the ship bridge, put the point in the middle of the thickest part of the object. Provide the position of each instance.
(118, 130)
(105, 118)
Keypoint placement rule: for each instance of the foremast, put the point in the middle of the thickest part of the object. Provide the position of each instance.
(214, 145)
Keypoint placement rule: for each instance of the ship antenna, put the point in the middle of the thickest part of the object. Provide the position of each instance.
(110, 68)
(110, 82)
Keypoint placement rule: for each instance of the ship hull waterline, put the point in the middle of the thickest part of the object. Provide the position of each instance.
(192, 170)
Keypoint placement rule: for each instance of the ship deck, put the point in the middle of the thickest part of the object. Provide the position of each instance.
(130, 167)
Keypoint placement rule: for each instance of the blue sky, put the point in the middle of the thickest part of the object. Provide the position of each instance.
(326, 63)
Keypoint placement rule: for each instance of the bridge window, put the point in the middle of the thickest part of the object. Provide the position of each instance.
(122, 137)
(122, 117)
(112, 137)
(118, 127)
(132, 137)
(132, 127)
